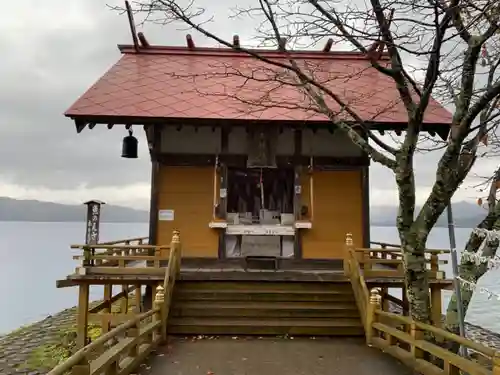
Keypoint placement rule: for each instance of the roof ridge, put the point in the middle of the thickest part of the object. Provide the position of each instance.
(230, 52)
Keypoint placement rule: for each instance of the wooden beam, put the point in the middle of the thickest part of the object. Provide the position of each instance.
(143, 40)
(190, 41)
(236, 41)
(65, 283)
(125, 271)
(131, 22)
(234, 160)
(80, 125)
(328, 45)
(105, 304)
(110, 319)
(282, 44)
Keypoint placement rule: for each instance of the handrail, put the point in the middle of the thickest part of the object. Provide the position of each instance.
(141, 336)
(484, 350)
(125, 247)
(125, 241)
(391, 246)
(407, 339)
(358, 284)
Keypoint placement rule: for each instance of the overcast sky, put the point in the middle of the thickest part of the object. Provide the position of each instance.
(51, 54)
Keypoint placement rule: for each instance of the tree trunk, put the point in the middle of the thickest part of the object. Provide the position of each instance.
(416, 281)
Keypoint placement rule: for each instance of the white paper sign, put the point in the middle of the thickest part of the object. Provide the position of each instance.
(166, 215)
(223, 193)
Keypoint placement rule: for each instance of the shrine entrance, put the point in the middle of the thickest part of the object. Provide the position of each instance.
(260, 212)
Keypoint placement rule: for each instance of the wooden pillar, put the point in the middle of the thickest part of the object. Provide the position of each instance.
(404, 298)
(297, 204)
(435, 293)
(385, 301)
(124, 300)
(365, 188)
(154, 142)
(138, 300)
(82, 316)
(108, 289)
(223, 186)
(436, 305)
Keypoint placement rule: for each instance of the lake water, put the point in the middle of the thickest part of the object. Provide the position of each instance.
(35, 255)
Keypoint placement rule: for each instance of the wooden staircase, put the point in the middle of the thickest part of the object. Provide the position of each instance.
(264, 308)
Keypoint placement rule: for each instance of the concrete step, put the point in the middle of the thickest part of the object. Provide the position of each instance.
(282, 295)
(245, 326)
(264, 286)
(264, 309)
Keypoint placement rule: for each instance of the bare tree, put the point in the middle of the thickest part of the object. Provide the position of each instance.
(425, 41)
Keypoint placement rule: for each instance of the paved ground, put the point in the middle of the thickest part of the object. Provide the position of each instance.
(270, 356)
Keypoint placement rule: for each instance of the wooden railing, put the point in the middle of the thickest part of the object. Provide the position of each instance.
(387, 261)
(119, 257)
(128, 241)
(121, 350)
(414, 343)
(353, 270)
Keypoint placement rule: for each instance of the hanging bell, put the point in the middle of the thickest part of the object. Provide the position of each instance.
(129, 146)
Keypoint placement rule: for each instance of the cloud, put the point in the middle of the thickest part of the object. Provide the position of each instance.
(52, 54)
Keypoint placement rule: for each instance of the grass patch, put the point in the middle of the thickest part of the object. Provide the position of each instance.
(63, 344)
(48, 356)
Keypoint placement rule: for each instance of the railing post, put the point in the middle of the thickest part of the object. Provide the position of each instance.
(83, 368)
(176, 244)
(159, 304)
(348, 247)
(371, 317)
(134, 332)
(416, 334)
(496, 364)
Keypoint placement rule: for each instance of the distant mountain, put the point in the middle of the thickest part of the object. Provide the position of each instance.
(32, 210)
(465, 215)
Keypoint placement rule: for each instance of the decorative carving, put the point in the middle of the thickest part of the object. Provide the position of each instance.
(375, 297)
(348, 239)
(160, 295)
(176, 236)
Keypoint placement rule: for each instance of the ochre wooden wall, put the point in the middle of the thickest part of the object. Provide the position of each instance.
(189, 192)
(338, 210)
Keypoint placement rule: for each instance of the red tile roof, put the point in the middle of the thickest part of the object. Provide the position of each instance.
(209, 83)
